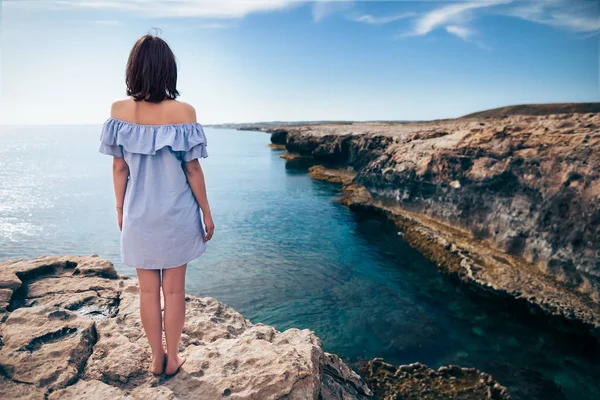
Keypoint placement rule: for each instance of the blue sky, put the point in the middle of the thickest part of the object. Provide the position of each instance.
(240, 61)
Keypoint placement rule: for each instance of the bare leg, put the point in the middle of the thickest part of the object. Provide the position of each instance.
(151, 315)
(173, 286)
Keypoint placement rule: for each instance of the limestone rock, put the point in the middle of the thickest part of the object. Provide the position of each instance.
(45, 346)
(89, 390)
(12, 390)
(73, 331)
(509, 205)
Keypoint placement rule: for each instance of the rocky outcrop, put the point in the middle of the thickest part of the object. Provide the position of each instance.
(509, 205)
(278, 136)
(70, 329)
(418, 382)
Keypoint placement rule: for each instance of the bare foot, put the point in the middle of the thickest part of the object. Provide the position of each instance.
(174, 363)
(158, 363)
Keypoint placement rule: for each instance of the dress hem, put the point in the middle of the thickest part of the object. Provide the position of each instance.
(157, 267)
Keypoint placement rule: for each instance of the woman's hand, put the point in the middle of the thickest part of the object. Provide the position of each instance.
(120, 218)
(209, 225)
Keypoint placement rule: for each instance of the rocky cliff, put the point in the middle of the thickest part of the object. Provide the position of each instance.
(70, 329)
(510, 205)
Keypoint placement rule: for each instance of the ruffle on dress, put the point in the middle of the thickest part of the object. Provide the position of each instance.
(118, 135)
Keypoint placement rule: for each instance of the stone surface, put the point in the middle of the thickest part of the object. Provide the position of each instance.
(72, 330)
(92, 389)
(510, 205)
(418, 382)
(12, 390)
(45, 346)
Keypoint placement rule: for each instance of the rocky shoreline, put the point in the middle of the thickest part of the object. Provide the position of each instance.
(70, 329)
(418, 382)
(508, 205)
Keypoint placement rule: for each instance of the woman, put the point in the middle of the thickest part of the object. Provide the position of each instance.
(159, 187)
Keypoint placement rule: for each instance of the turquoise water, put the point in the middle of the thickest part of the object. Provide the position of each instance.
(286, 254)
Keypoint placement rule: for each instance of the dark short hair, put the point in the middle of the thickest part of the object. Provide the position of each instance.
(151, 71)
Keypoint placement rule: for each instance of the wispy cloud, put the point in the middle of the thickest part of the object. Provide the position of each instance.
(580, 16)
(460, 31)
(574, 15)
(458, 13)
(165, 8)
(370, 19)
(467, 34)
(323, 9)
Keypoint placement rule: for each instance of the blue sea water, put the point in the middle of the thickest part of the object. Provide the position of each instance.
(285, 253)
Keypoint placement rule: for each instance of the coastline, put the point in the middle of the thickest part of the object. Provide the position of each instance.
(70, 328)
(419, 176)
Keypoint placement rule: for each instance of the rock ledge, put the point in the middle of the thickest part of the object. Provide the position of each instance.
(70, 329)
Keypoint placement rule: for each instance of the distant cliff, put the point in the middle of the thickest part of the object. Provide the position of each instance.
(538, 109)
(510, 205)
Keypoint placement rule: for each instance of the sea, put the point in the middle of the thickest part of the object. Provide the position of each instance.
(285, 253)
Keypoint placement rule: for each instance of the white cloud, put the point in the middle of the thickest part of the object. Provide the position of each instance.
(466, 34)
(461, 31)
(165, 8)
(323, 9)
(452, 14)
(580, 16)
(369, 19)
(573, 15)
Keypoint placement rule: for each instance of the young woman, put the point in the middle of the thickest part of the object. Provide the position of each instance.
(159, 186)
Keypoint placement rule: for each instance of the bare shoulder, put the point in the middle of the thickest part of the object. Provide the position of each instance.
(165, 112)
(182, 111)
(119, 108)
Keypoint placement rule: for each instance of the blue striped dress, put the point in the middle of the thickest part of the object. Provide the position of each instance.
(162, 224)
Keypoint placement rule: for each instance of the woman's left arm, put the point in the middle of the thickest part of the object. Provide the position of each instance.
(120, 175)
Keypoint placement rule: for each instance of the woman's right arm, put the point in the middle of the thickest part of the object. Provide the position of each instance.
(120, 176)
(195, 177)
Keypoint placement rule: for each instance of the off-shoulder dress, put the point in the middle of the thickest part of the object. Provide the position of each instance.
(162, 225)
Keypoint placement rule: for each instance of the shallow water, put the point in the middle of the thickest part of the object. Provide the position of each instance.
(286, 254)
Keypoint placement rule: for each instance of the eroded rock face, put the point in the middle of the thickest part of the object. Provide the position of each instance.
(71, 329)
(419, 382)
(511, 204)
(45, 346)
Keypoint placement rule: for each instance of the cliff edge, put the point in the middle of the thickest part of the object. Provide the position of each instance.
(510, 206)
(70, 329)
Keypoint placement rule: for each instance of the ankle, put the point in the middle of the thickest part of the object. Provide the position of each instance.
(173, 354)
